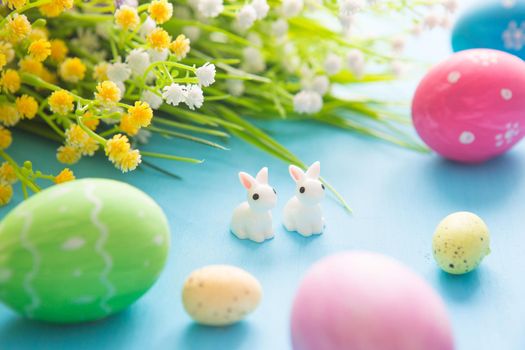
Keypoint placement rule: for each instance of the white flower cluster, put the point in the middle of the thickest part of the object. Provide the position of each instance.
(249, 13)
(291, 8)
(307, 102)
(350, 7)
(209, 8)
(355, 59)
(310, 99)
(253, 60)
(191, 95)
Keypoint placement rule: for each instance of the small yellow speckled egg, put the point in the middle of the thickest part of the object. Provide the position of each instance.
(220, 295)
(460, 242)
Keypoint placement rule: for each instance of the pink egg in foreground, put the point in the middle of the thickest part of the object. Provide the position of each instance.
(367, 301)
(471, 107)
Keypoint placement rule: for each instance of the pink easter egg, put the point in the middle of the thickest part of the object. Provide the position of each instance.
(470, 108)
(367, 301)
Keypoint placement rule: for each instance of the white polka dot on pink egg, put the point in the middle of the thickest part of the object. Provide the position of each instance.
(471, 107)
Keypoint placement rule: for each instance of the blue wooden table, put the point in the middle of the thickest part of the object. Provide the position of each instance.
(398, 197)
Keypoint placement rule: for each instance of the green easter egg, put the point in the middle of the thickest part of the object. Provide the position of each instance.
(460, 242)
(81, 251)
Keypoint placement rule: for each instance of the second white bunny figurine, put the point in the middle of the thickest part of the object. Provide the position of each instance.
(252, 219)
(303, 212)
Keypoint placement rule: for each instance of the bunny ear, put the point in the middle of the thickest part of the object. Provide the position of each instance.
(246, 180)
(262, 176)
(296, 173)
(314, 170)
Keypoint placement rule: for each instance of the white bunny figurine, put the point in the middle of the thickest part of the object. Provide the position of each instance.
(303, 212)
(252, 219)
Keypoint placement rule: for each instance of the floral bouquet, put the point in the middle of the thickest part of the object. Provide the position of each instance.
(104, 75)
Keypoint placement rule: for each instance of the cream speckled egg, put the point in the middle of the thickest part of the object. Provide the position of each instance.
(220, 295)
(460, 242)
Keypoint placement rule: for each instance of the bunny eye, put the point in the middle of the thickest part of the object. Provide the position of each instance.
(274, 191)
(255, 197)
(302, 189)
(322, 186)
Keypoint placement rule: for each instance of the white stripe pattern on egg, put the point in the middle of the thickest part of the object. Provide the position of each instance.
(35, 268)
(99, 247)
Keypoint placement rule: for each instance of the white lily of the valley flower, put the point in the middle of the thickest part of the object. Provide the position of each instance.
(255, 39)
(146, 27)
(398, 44)
(194, 97)
(138, 61)
(210, 8)
(143, 136)
(156, 56)
(121, 86)
(253, 60)
(332, 64)
(320, 84)
(280, 27)
(118, 72)
(206, 74)
(246, 17)
(307, 102)
(291, 8)
(235, 87)
(261, 8)
(174, 94)
(350, 7)
(192, 32)
(151, 98)
(356, 62)
(451, 5)
(431, 20)
(347, 22)
(399, 69)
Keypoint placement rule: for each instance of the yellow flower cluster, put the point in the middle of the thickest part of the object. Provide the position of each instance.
(6, 193)
(180, 46)
(18, 28)
(39, 49)
(5, 138)
(100, 72)
(64, 176)
(90, 121)
(120, 153)
(72, 70)
(15, 4)
(30, 65)
(138, 116)
(58, 49)
(29, 51)
(61, 102)
(26, 106)
(38, 33)
(7, 54)
(78, 143)
(108, 92)
(127, 18)
(68, 154)
(160, 11)
(55, 7)
(159, 39)
(7, 173)
(8, 114)
(10, 81)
